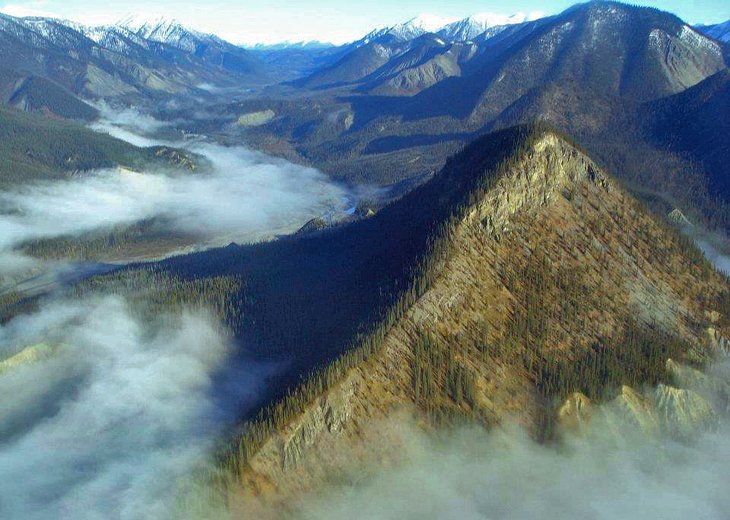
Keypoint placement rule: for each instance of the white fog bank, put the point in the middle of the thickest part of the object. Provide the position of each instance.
(474, 475)
(102, 413)
(611, 471)
(244, 196)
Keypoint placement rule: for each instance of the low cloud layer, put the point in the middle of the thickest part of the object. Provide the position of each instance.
(238, 196)
(245, 195)
(102, 413)
(471, 474)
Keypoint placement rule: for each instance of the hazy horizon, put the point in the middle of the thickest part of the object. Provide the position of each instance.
(255, 22)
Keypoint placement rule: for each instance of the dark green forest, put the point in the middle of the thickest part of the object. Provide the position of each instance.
(38, 94)
(34, 147)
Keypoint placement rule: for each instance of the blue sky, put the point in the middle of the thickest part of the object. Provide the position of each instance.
(252, 21)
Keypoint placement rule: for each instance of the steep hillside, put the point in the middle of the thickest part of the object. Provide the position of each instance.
(390, 66)
(370, 61)
(357, 63)
(554, 281)
(697, 123)
(519, 274)
(429, 61)
(36, 94)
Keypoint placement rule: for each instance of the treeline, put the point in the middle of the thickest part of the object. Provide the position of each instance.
(146, 236)
(547, 296)
(152, 292)
(637, 357)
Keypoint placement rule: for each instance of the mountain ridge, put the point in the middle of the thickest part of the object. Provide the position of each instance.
(565, 216)
(111, 61)
(509, 280)
(588, 71)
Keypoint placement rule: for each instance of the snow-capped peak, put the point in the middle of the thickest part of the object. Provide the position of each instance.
(471, 27)
(418, 26)
(159, 29)
(145, 23)
(413, 28)
(450, 29)
(428, 22)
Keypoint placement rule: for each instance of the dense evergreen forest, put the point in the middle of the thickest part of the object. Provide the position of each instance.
(33, 147)
(38, 94)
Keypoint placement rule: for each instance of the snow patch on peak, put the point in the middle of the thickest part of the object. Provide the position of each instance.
(418, 26)
(494, 19)
(694, 39)
(428, 22)
(450, 29)
(146, 23)
(659, 40)
(480, 23)
(164, 30)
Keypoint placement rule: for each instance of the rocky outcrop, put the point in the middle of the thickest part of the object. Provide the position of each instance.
(678, 218)
(323, 422)
(549, 170)
(683, 412)
(630, 411)
(176, 158)
(679, 412)
(27, 356)
(330, 416)
(575, 414)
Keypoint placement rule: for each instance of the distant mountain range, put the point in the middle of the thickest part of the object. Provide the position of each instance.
(126, 59)
(393, 105)
(594, 70)
(720, 31)
(407, 58)
(168, 56)
(450, 30)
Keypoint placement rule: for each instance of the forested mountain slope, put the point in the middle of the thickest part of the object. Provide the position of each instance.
(554, 281)
(696, 123)
(517, 275)
(35, 147)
